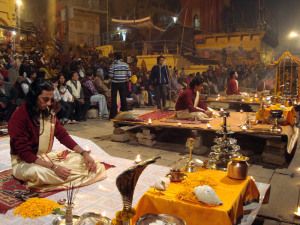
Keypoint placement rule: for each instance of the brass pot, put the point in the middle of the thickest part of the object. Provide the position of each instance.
(237, 168)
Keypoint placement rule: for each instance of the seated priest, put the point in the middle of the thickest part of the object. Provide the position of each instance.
(233, 91)
(189, 104)
(32, 129)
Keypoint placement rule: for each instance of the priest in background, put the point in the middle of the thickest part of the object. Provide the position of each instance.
(189, 104)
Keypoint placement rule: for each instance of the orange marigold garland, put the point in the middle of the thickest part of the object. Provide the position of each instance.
(36, 207)
(122, 216)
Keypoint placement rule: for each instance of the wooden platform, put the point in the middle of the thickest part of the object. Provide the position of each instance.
(288, 136)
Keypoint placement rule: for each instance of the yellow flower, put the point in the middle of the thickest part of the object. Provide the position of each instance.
(123, 216)
(35, 207)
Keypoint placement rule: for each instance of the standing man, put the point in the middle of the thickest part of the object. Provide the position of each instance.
(119, 73)
(160, 79)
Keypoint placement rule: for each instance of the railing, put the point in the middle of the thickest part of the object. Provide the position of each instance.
(57, 45)
(52, 41)
(87, 4)
(235, 27)
(171, 47)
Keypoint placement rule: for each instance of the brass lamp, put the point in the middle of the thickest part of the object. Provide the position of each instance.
(189, 166)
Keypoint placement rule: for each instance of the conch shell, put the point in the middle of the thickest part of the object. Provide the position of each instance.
(206, 194)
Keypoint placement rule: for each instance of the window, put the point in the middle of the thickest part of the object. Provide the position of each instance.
(196, 22)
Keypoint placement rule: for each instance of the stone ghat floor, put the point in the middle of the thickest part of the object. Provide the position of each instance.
(285, 182)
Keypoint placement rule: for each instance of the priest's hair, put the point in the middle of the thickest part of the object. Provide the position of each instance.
(196, 81)
(36, 88)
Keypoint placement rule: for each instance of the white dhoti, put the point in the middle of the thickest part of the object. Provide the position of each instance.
(44, 179)
(193, 116)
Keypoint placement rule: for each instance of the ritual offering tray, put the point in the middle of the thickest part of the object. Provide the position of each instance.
(159, 219)
(276, 115)
(61, 220)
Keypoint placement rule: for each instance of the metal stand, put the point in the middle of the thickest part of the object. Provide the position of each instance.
(225, 149)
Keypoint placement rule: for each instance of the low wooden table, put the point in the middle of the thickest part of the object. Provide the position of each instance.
(287, 138)
(236, 105)
(233, 193)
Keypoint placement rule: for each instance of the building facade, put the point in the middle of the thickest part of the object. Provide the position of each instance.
(83, 22)
(241, 30)
(7, 20)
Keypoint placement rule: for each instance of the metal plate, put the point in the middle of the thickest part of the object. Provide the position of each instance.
(167, 219)
(91, 218)
(61, 220)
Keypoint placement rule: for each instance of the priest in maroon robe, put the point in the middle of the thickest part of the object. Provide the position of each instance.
(32, 129)
(233, 85)
(189, 104)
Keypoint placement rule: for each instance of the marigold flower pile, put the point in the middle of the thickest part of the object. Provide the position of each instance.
(192, 181)
(35, 207)
(122, 216)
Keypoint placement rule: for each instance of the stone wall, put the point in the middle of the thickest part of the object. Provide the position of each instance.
(241, 47)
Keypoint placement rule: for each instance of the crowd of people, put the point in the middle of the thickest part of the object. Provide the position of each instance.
(97, 81)
(78, 85)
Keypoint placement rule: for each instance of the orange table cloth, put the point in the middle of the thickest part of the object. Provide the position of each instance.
(289, 114)
(233, 194)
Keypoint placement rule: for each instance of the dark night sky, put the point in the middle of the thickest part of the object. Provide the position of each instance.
(288, 17)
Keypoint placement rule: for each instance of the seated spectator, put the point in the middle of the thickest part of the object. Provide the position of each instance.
(65, 108)
(142, 91)
(188, 79)
(81, 103)
(182, 73)
(135, 91)
(176, 88)
(8, 96)
(25, 85)
(12, 72)
(100, 85)
(3, 71)
(213, 82)
(42, 74)
(20, 93)
(92, 94)
(66, 96)
(149, 88)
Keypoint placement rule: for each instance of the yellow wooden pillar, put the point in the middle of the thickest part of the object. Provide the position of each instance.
(284, 79)
(291, 79)
(276, 81)
(298, 83)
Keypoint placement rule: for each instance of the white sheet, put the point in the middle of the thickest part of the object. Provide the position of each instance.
(102, 196)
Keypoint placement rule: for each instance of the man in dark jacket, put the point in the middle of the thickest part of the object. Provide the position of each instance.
(159, 78)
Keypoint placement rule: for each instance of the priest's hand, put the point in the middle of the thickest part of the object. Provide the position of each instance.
(90, 163)
(209, 113)
(62, 172)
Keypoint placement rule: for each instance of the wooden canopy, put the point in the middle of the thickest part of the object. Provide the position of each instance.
(287, 71)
